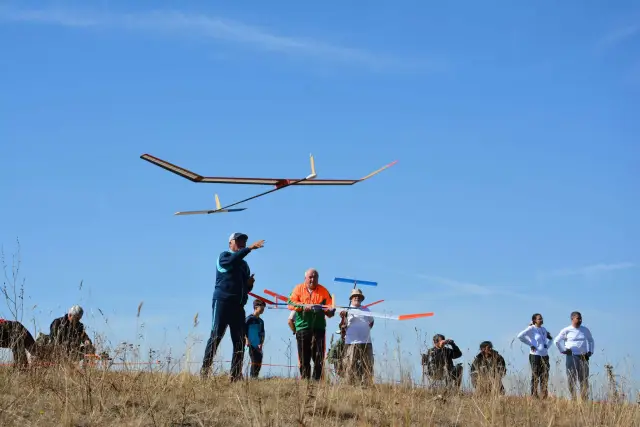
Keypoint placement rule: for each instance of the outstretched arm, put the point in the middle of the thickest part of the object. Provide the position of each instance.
(228, 259)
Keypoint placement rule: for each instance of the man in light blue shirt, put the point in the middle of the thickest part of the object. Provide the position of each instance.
(577, 344)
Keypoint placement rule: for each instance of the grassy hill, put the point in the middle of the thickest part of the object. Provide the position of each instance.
(72, 396)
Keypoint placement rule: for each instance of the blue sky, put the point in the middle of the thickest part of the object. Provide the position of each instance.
(515, 189)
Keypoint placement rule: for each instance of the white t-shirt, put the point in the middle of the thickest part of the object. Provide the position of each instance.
(537, 337)
(578, 340)
(358, 327)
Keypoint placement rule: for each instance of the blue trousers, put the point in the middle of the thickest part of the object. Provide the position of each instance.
(232, 315)
(577, 372)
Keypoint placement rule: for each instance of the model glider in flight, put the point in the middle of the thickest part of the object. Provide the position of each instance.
(278, 183)
(351, 309)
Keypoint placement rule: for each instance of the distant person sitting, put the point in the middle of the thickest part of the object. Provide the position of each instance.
(68, 335)
(14, 336)
(438, 362)
(487, 370)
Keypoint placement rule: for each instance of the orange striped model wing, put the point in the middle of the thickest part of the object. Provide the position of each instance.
(355, 310)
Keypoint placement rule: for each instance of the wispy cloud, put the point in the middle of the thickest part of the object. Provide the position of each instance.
(215, 28)
(590, 270)
(464, 288)
(617, 37)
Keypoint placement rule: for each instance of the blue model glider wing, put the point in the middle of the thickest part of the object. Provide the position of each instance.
(355, 281)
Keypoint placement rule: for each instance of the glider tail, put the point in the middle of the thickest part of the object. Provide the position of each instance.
(219, 207)
(313, 168)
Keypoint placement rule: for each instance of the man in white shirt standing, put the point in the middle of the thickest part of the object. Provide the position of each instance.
(577, 344)
(359, 350)
(538, 339)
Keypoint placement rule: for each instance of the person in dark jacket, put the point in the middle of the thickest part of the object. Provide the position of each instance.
(69, 337)
(487, 369)
(14, 336)
(438, 361)
(233, 283)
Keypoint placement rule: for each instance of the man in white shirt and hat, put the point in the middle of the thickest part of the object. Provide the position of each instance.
(576, 342)
(358, 346)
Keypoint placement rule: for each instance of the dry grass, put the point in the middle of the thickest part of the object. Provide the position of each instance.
(98, 396)
(72, 396)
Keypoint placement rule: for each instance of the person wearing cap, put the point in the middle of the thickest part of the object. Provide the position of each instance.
(68, 335)
(311, 323)
(233, 283)
(254, 338)
(14, 336)
(358, 347)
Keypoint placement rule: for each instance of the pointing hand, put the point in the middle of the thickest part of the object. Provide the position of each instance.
(257, 245)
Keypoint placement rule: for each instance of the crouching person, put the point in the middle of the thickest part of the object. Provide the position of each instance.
(14, 336)
(487, 370)
(68, 336)
(438, 363)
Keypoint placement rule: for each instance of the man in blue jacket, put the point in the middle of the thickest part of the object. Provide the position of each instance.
(233, 282)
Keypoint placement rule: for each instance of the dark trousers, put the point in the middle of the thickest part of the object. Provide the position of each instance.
(226, 314)
(578, 374)
(311, 346)
(256, 361)
(15, 336)
(539, 374)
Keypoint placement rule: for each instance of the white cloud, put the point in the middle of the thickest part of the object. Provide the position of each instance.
(617, 36)
(210, 28)
(590, 270)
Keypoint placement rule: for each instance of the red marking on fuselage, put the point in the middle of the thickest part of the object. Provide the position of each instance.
(283, 183)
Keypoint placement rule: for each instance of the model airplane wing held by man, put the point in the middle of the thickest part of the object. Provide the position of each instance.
(351, 309)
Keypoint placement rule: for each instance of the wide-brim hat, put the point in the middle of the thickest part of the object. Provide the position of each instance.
(355, 292)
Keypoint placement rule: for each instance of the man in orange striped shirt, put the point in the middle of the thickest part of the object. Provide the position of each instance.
(310, 323)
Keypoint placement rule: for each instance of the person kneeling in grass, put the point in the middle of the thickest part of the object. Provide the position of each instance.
(487, 370)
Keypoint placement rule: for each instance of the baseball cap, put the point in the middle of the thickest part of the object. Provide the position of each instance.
(235, 236)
